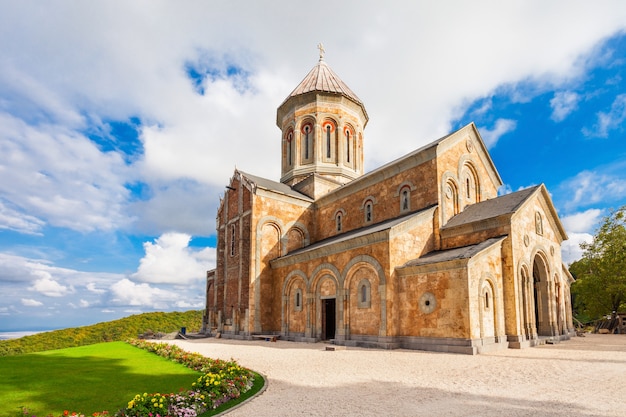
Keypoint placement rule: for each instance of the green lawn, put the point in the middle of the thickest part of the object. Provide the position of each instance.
(85, 379)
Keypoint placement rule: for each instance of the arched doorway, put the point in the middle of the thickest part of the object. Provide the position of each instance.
(541, 290)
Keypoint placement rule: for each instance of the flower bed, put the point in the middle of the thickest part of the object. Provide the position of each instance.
(222, 381)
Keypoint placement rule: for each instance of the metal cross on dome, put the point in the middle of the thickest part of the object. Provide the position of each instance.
(322, 50)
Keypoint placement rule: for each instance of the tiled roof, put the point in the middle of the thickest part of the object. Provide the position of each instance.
(361, 232)
(274, 186)
(488, 209)
(323, 78)
(464, 252)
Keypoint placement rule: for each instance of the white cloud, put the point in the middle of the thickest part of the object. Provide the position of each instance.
(583, 222)
(92, 288)
(610, 120)
(570, 249)
(54, 175)
(589, 188)
(170, 260)
(51, 288)
(501, 127)
(128, 293)
(563, 103)
(29, 302)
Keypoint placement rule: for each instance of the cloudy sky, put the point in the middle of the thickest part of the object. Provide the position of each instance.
(121, 122)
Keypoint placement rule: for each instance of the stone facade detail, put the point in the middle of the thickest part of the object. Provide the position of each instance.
(421, 253)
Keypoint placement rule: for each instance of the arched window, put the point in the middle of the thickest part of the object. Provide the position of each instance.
(486, 299)
(297, 303)
(468, 188)
(290, 148)
(538, 223)
(368, 212)
(307, 133)
(328, 141)
(339, 219)
(364, 294)
(347, 145)
(232, 240)
(405, 200)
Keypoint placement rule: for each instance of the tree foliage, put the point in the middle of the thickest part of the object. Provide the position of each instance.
(110, 331)
(600, 287)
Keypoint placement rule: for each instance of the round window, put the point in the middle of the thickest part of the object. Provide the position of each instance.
(428, 302)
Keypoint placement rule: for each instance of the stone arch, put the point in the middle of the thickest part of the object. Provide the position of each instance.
(329, 140)
(339, 216)
(541, 291)
(367, 207)
(307, 140)
(404, 193)
(527, 303)
(294, 306)
(489, 304)
(470, 181)
(327, 296)
(449, 197)
(289, 147)
(349, 146)
(267, 247)
(381, 298)
(297, 237)
(362, 318)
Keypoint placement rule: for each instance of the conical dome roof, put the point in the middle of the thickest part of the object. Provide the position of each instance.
(323, 78)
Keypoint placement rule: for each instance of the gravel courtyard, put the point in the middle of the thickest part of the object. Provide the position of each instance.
(585, 376)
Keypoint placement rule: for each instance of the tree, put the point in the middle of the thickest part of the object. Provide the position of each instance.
(600, 286)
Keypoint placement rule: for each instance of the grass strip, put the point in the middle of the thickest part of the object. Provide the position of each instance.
(86, 379)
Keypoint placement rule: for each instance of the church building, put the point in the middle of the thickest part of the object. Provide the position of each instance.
(420, 253)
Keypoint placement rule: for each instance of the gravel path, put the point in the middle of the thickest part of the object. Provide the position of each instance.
(585, 376)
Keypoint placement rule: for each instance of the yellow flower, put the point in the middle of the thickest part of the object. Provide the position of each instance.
(217, 383)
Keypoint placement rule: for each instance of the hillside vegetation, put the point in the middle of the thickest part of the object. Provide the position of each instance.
(116, 330)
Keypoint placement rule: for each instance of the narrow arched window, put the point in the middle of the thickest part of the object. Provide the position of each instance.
(467, 186)
(405, 200)
(232, 240)
(487, 299)
(307, 131)
(368, 211)
(328, 141)
(289, 148)
(339, 225)
(364, 295)
(347, 146)
(297, 302)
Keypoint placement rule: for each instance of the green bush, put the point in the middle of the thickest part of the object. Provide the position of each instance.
(112, 331)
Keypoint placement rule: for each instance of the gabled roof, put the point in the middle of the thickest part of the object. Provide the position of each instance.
(488, 209)
(364, 234)
(277, 187)
(323, 78)
(464, 252)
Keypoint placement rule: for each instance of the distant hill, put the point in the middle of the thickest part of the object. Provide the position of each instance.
(116, 330)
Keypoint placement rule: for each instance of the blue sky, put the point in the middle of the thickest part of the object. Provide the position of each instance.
(120, 124)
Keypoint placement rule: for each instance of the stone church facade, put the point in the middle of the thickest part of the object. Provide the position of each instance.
(420, 253)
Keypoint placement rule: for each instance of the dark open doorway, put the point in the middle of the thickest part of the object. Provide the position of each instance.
(328, 319)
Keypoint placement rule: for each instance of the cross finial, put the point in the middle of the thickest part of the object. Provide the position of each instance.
(322, 51)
